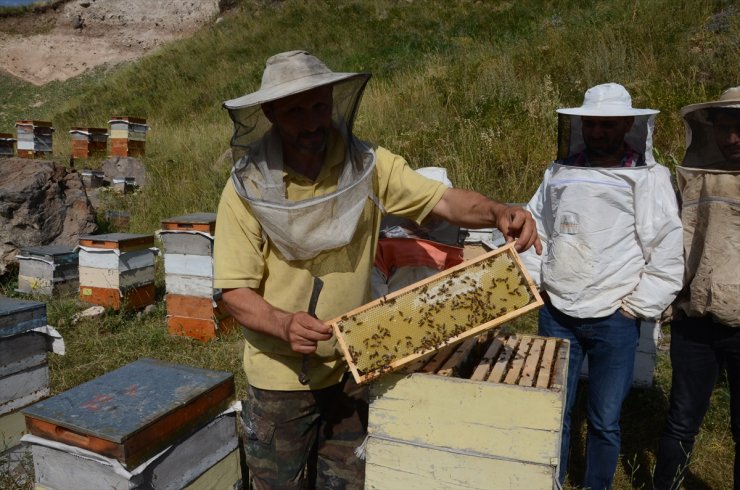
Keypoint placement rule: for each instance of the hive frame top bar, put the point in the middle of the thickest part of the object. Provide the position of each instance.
(413, 335)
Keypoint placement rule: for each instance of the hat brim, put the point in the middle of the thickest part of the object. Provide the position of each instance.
(729, 104)
(606, 111)
(290, 88)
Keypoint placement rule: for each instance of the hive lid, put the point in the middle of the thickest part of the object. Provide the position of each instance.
(133, 412)
(20, 315)
(191, 222)
(121, 241)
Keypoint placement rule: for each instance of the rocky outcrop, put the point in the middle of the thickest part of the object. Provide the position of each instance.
(40, 204)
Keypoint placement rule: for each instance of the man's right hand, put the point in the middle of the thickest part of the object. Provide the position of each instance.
(303, 332)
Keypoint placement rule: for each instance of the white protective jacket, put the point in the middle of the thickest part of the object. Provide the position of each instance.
(611, 239)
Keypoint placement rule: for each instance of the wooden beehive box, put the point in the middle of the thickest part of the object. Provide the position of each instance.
(88, 142)
(127, 136)
(134, 412)
(47, 270)
(117, 270)
(7, 145)
(194, 307)
(484, 413)
(24, 369)
(457, 303)
(34, 138)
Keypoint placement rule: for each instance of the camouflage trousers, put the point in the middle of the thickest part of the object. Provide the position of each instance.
(305, 439)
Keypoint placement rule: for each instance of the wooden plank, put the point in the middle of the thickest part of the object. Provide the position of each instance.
(454, 365)
(395, 465)
(517, 363)
(560, 369)
(548, 360)
(531, 363)
(499, 368)
(440, 357)
(484, 366)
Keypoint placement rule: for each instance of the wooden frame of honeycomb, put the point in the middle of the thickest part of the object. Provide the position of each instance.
(439, 311)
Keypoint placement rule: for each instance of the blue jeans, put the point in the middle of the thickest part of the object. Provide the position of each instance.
(610, 344)
(700, 349)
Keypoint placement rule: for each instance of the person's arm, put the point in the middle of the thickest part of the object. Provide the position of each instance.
(660, 233)
(470, 209)
(300, 330)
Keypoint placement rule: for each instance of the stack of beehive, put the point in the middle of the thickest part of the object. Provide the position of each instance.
(194, 308)
(88, 142)
(24, 370)
(148, 424)
(7, 145)
(34, 138)
(48, 270)
(92, 179)
(127, 136)
(117, 270)
(485, 413)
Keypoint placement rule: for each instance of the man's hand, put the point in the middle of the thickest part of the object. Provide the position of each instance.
(303, 332)
(517, 223)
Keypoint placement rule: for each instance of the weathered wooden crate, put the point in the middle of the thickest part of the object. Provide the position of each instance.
(47, 270)
(134, 412)
(189, 463)
(457, 303)
(92, 179)
(484, 413)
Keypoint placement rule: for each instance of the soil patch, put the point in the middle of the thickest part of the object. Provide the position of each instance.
(67, 39)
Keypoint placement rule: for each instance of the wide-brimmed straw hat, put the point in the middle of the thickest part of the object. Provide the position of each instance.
(607, 100)
(729, 98)
(290, 73)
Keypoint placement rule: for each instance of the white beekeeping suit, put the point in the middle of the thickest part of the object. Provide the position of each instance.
(610, 235)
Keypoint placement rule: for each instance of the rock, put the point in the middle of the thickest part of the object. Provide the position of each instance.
(40, 204)
(90, 313)
(116, 167)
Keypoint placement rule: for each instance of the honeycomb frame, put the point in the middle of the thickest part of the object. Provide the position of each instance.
(418, 320)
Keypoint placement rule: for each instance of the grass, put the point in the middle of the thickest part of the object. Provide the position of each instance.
(468, 85)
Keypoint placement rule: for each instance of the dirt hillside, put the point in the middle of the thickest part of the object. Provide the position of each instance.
(77, 35)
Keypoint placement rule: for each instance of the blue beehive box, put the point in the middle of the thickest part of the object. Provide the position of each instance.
(134, 412)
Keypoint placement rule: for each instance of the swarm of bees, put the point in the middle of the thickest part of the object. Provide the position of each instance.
(395, 330)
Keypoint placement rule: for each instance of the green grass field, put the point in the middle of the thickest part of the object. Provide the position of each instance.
(468, 85)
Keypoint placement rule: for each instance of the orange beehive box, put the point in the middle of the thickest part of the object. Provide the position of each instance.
(199, 328)
(129, 299)
(205, 222)
(125, 242)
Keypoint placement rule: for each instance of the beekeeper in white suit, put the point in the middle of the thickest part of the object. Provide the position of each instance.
(608, 220)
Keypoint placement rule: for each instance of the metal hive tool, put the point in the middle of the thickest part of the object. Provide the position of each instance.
(444, 309)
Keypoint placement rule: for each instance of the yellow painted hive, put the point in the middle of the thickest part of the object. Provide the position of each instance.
(446, 308)
(483, 413)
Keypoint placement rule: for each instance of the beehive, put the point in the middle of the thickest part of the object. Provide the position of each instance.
(194, 307)
(47, 270)
(34, 138)
(7, 145)
(450, 306)
(127, 136)
(484, 413)
(88, 142)
(117, 270)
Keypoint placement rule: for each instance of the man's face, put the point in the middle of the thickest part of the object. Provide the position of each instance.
(605, 135)
(727, 135)
(303, 120)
